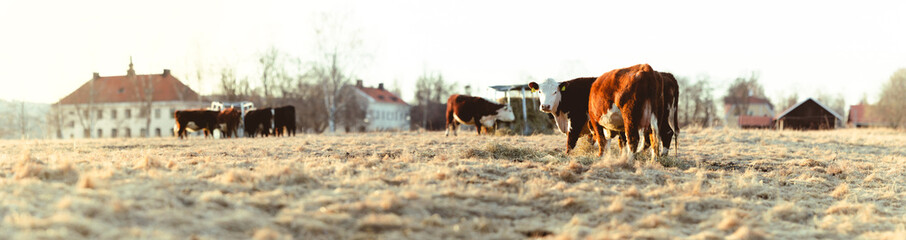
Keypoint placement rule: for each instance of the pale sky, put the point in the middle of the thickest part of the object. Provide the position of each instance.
(50, 48)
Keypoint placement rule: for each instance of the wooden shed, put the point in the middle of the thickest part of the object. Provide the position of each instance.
(808, 115)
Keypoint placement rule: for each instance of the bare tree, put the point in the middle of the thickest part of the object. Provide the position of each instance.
(312, 117)
(351, 114)
(273, 74)
(696, 101)
(784, 102)
(229, 86)
(431, 92)
(740, 90)
(84, 113)
(55, 121)
(144, 91)
(837, 102)
(339, 51)
(22, 120)
(892, 102)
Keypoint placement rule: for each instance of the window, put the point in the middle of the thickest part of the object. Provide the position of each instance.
(157, 113)
(113, 133)
(128, 113)
(172, 113)
(172, 133)
(86, 133)
(85, 113)
(100, 133)
(71, 113)
(143, 132)
(113, 114)
(100, 114)
(128, 131)
(70, 124)
(157, 132)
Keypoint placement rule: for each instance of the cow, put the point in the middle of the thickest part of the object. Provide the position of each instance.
(194, 120)
(258, 121)
(670, 126)
(633, 101)
(285, 120)
(568, 102)
(463, 109)
(228, 121)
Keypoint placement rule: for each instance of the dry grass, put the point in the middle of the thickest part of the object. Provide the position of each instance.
(724, 184)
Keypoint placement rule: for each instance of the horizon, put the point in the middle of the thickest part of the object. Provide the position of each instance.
(810, 47)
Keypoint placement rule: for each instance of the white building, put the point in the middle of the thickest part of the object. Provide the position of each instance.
(384, 110)
(125, 106)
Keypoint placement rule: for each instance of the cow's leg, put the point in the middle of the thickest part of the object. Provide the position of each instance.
(182, 131)
(599, 137)
(619, 137)
(478, 127)
(450, 121)
(632, 134)
(573, 134)
(655, 133)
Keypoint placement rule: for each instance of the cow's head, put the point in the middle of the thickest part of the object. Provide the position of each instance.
(506, 114)
(550, 92)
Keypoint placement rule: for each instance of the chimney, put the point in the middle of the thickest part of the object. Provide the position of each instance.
(358, 83)
(166, 72)
(96, 76)
(380, 86)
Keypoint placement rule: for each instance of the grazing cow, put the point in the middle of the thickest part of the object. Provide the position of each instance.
(258, 121)
(670, 126)
(568, 103)
(631, 100)
(462, 109)
(228, 121)
(285, 120)
(194, 120)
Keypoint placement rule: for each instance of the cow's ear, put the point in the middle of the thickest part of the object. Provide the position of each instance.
(533, 86)
(563, 86)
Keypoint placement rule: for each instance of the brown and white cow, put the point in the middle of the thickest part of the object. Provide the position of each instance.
(462, 109)
(228, 121)
(285, 120)
(632, 100)
(194, 120)
(258, 121)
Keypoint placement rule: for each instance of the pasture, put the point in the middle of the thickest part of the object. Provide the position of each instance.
(733, 184)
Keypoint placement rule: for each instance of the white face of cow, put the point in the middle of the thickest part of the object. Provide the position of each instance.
(549, 94)
(506, 114)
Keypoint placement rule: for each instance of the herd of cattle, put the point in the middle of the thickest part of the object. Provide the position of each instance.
(256, 121)
(634, 105)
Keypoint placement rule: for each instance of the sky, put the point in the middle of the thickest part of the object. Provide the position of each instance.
(50, 48)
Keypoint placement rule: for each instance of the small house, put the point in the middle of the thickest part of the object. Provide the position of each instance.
(384, 111)
(753, 112)
(808, 115)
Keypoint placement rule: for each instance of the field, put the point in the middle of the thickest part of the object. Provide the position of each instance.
(725, 184)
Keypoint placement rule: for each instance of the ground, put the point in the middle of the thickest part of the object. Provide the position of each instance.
(724, 184)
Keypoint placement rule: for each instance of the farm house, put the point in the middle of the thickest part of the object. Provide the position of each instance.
(131, 105)
(808, 115)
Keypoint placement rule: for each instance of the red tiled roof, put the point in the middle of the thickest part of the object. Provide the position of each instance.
(381, 95)
(752, 121)
(115, 89)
